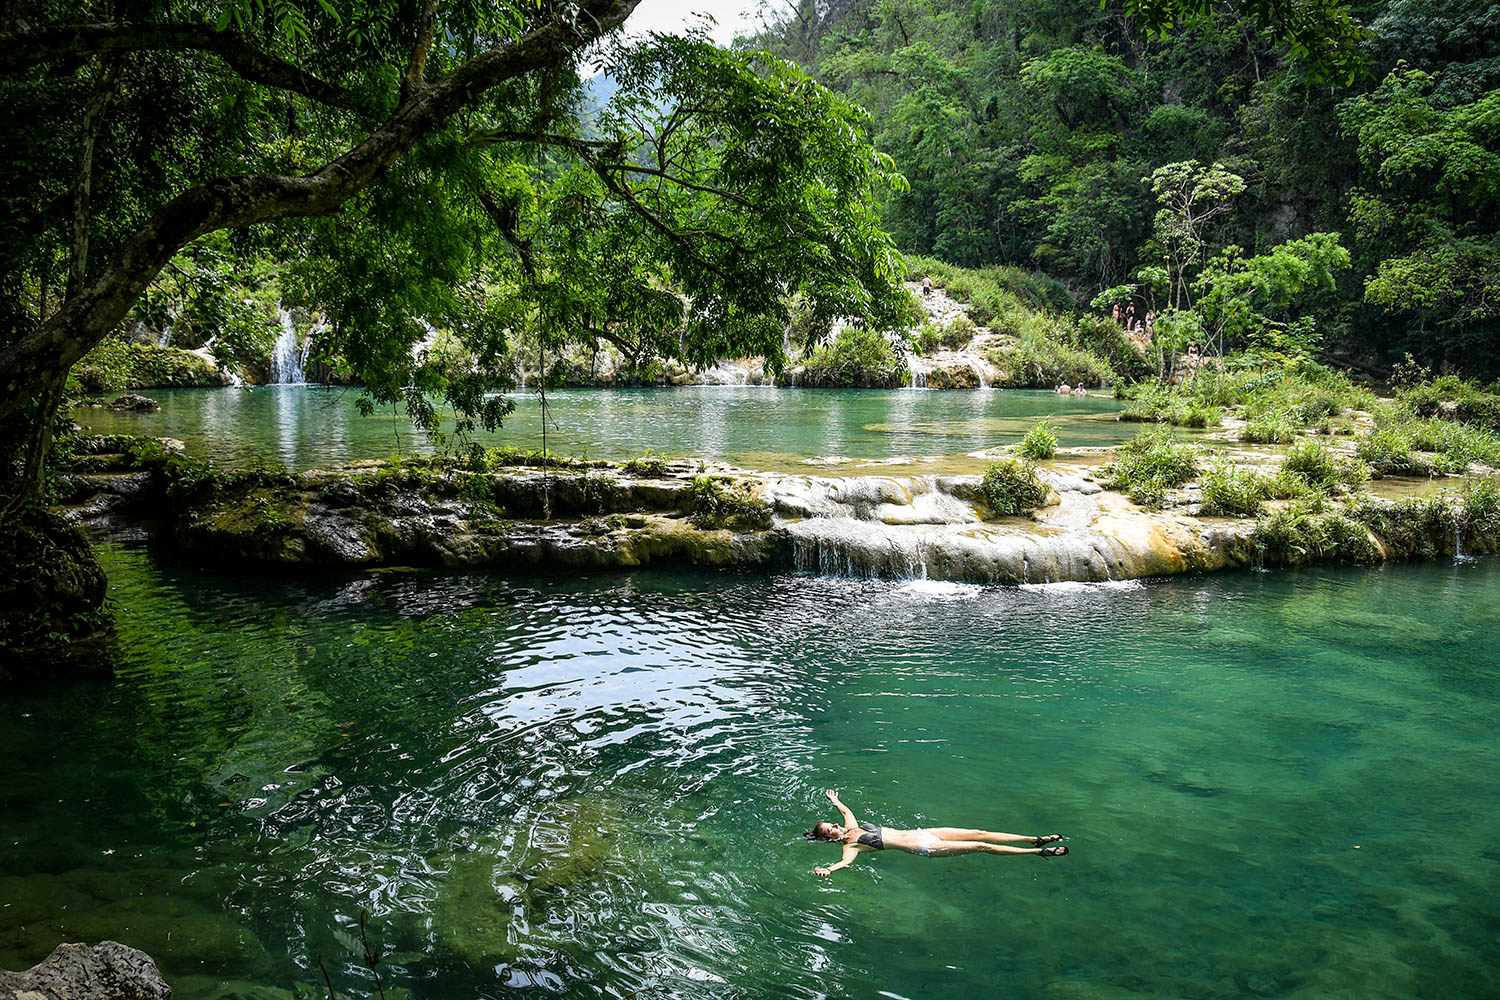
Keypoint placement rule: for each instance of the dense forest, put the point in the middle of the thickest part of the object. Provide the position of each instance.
(1034, 133)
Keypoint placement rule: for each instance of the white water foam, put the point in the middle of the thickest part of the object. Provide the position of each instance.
(939, 590)
(1079, 586)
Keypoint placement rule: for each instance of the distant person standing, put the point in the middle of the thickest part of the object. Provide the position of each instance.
(926, 284)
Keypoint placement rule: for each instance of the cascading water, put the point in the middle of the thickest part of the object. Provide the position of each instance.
(1458, 537)
(289, 358)
(978, 367)
(917, 378)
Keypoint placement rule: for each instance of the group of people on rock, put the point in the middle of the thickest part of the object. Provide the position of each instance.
(1143, 325)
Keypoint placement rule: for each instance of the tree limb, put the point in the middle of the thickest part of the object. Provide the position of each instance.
(22, 50)
(244, 200)
(416, 66)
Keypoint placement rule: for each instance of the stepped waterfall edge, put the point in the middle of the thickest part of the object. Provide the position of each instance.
(599, 516)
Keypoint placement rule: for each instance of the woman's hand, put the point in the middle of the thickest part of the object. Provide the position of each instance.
(822, 872)
(832, 795)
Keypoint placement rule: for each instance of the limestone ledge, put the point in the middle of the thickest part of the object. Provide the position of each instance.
(606, 517)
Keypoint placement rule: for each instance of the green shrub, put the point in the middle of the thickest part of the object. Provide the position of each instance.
(1270, 428)
(719, 502)
(857, 358)
(1414, 528)
(1231, 492)
(1168, 404)
(1314, 463)
(1287, 485)
(1311, 530)
(1036, 362)
(1452, 397)
(1012, 487)
(1150, 464)
(648, 466)
(1388, 452)
(1481, 500)
(1320, 469)
(115, 365)
(1106, 339)
(959, 331)
(1040, 442)
(927, 339)
(1456, 445)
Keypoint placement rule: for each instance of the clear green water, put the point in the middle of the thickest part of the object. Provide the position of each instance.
(595, 787)
(765, 428)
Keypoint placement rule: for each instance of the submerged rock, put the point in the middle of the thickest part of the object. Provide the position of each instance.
(105, 971)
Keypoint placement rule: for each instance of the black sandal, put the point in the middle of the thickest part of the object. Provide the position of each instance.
(1054, 852)
(1045, 839)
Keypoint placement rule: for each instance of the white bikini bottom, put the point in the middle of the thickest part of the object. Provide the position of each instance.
(926, 842)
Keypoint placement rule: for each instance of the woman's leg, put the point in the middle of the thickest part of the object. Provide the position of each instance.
(962, 833)
(953, 848)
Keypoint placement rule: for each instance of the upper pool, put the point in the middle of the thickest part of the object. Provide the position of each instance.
(766, 428)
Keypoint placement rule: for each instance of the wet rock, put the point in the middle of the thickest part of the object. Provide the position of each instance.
(52, 620)
(135, 403)
(82, 972)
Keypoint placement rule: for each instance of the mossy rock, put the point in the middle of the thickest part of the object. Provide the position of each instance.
(260, 524)
(53, 624)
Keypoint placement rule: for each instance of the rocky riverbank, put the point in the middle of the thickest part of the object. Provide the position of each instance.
(512, 514)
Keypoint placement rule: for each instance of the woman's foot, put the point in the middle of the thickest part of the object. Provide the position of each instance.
(1053, 852)
(1045, 839)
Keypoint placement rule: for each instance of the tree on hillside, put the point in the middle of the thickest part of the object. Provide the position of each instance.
(1430, 213)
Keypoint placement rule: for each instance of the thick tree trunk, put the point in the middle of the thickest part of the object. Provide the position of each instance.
(51, 587)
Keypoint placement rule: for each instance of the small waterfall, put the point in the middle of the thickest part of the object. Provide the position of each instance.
(859, 550)
(206, 352)
(978, 367)
(424, 345)
(917, 378)
(1458, 538)
(289, 358)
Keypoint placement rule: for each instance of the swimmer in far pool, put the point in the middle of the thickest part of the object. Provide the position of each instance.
(931, 842)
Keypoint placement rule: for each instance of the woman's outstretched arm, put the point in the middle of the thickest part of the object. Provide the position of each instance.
(850, 853)
(849, 820)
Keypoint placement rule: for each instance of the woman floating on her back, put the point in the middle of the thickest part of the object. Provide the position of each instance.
(932, 842)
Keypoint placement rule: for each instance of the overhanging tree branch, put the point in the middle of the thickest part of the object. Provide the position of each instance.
(234, 202)
(23, 50)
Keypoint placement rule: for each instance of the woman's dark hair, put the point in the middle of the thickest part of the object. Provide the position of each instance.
(814, 833)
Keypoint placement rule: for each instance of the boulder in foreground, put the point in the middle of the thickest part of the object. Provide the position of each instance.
(105, 971)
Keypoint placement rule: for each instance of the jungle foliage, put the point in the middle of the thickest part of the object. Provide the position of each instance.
(415, 164)
(1317, 178)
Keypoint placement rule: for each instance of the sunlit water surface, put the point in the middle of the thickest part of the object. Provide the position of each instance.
(1276, 785)
(756, 427)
